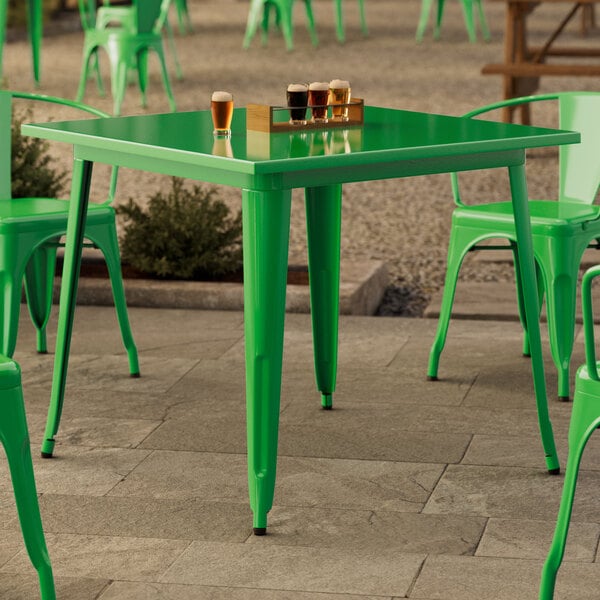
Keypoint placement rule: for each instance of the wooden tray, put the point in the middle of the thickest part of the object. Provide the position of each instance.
(274, 119)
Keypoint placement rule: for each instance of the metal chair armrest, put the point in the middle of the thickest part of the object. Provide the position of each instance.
(588, 321)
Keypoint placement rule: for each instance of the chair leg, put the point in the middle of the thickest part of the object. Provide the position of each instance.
(339, 21)
(173, 50)
(105, 237)
(15, 439)
(253, 18)
(467, 6)
(438, 20)
(266, 18)
(118, 83)
(561, 301)
(483, 21)
(422, 25)
(311, 23)
(458, 246)
(165, 77)
(520, 299)
(34, 25)
(39, 286)
(142, 69)
(87, 52)
(584, 420)
(363, 19)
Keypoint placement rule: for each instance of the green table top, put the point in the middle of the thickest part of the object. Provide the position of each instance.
(183, 144)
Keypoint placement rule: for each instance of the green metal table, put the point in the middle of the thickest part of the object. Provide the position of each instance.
(391, 143)
(34, 26)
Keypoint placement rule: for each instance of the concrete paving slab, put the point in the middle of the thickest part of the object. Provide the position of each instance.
(21, 586)
(120, 590)
(296, 568)
(105, 557)
(519, 538)
(479, 578)
(407, 532)
(509, 492)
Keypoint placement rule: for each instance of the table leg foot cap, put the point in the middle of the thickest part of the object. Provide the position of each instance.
(432, 378)
(260, 531)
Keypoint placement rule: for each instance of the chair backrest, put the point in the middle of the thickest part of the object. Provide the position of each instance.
(151, 15)
(6, 98)
(579, 164)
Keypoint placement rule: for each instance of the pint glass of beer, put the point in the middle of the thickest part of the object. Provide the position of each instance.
(339, 91)
(297, 101)
(318, 98)
(221, 106)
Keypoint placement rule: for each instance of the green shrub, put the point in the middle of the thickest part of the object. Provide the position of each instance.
(31, 170)
(187, 234)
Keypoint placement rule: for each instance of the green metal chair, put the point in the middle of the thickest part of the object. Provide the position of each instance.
(562, 230)
(30, 231)
(585, 419)
(260, 12)
(34, 27)
(15, 439)
(467, 6)
(137, 31)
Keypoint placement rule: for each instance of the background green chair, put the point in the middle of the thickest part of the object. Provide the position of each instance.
(467, 6)
(15, 439)
(585, 419)
(260, 11)
(30, 232)
(183, 17)
(127, 46)
(562, 230)
(34, 27)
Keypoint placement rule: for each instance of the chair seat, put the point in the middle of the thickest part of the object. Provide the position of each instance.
(546, 215)
(33, 214)
(10, 373)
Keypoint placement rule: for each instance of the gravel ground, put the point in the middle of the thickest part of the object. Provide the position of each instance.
(404, 222)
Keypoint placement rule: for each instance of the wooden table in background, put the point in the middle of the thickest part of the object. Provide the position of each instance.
(524, 65)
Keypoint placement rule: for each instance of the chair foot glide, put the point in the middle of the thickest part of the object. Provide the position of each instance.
(327, 401)
(564, 399)
(260, 531)
(432, 378)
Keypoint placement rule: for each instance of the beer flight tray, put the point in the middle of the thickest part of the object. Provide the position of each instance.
(275, 119)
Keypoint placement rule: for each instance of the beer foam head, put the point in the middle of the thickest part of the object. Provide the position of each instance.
(297, 87)
(339, 83)
(221, 97)
(319, 86)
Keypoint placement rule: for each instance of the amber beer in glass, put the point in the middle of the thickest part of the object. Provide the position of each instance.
(221, 106)
(297, 101)
(318, 99)
(339, 92)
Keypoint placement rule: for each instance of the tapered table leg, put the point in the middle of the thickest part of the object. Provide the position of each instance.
(266, 227)
(518, 188)
(323, 225)
(80, 192)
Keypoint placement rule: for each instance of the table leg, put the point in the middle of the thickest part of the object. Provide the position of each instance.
(323, 225)
(266, 226)
(518, 187)
(80, 192)
(34, 10)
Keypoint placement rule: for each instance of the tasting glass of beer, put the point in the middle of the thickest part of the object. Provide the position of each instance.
(297, 101)
(318, 98)
(221, 106)
(339, 91)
